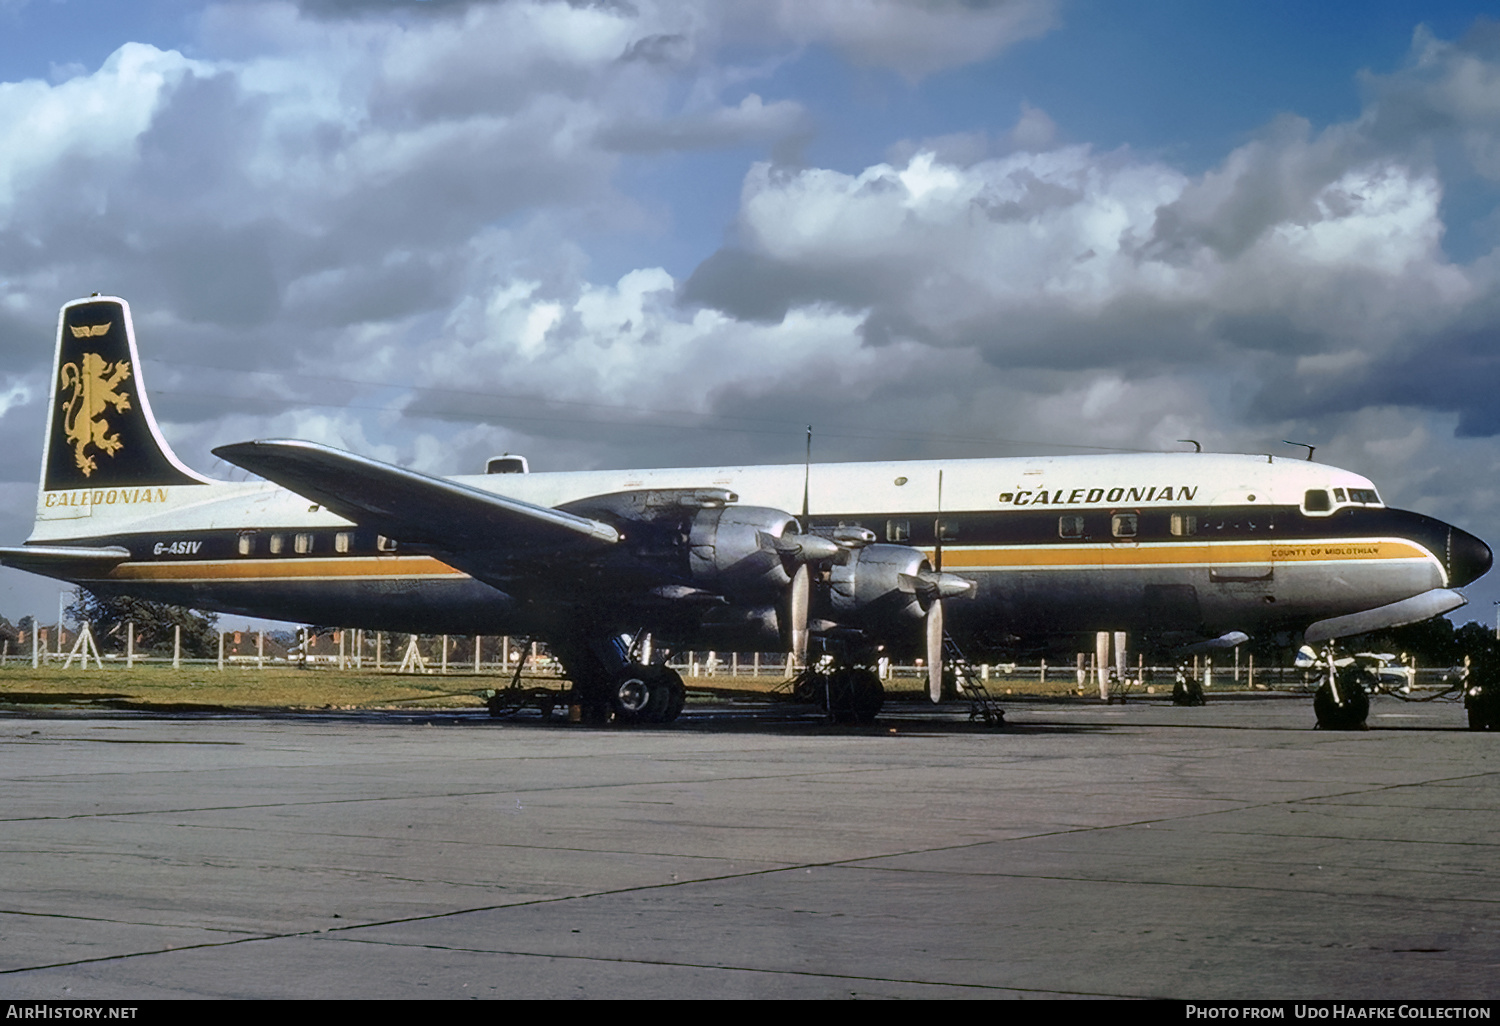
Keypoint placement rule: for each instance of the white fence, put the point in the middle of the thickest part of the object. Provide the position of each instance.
(382, 652)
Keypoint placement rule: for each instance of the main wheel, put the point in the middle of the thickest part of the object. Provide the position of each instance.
(868, 695)
(676, 693)
(1348, 714)
(855, 695)
(647, 694)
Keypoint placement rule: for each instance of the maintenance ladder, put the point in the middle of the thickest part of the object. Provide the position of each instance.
(982, 705)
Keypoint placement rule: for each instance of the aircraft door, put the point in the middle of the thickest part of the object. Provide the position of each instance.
(1237, 530)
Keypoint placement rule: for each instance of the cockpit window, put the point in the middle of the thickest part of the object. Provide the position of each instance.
(1363, 495)
(1316, 501)
(1338, 495)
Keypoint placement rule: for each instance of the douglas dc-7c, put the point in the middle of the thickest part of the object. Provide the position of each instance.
(847, 562)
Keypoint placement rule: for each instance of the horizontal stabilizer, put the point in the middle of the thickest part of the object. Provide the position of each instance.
(1398, 614)
(66, 562)
(415, 507)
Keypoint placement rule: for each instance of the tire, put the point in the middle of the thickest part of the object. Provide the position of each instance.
(856, 695)
(868, 695)
(646, 694)
(1350, 714)
(676, 694)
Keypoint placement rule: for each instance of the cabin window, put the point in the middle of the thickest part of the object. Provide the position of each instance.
(947, 530)
(1070, 526)
(1124, 525)
(1363, 495)
(898, 530)
(384, 544)
(341, 541)
(302, 543)
(247, 543)
(278, 543)
(1184, 524)
(1316, 501)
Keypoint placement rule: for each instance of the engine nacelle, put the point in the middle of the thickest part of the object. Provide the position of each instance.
(869, 587)
(727, 553)
(740, 629)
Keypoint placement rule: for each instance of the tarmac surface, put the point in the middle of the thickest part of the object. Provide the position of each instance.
(1143, 850)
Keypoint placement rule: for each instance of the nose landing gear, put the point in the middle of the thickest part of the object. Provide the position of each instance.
(1342, 701)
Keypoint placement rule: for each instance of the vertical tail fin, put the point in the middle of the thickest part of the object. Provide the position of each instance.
(100, 431)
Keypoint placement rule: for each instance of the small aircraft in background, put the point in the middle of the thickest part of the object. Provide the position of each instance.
(1185, 550)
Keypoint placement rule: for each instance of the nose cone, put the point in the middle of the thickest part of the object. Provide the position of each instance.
(1468, 558)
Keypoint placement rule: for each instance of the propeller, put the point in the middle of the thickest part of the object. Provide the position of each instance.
(931, 587)
(933, 621)
(799, 598)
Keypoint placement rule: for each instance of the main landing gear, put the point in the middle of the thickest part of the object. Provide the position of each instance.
(646, 694)
(849, 694)
(610, 686)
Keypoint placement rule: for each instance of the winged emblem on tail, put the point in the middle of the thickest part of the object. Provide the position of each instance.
(89, 331)
(95, 386)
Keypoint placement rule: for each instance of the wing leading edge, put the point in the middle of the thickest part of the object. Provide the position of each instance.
(416, 507)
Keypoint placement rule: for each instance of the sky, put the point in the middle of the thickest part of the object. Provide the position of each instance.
(673, 233)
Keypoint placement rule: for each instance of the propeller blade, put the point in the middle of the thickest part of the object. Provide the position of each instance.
(798, 599)
(934, 623)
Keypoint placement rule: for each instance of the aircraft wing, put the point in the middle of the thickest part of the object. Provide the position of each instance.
(66, 562)
(417, 507)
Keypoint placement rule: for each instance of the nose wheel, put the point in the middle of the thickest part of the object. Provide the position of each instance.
(1342, 702)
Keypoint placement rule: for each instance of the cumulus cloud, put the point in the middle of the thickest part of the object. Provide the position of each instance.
(915, 39)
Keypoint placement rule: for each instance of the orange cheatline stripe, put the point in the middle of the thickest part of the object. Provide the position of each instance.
(1174, 554)
(287, 569)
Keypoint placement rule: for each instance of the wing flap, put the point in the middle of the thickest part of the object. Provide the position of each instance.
(417, 507)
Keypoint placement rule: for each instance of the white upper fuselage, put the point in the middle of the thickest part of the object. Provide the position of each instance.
(897, 487)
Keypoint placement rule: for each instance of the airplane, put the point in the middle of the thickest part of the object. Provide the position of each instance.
(1190, 551)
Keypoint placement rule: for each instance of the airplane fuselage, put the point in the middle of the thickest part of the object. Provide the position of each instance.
(1165, 542)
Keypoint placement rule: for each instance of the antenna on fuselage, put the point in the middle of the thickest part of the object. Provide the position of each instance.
(1197, 445)
(937, 529)
(1309, 448)
(806, 478)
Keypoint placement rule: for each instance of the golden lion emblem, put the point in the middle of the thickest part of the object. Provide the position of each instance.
(94, 387)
